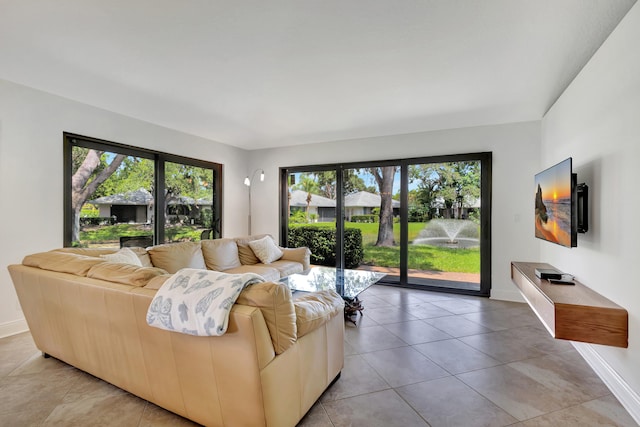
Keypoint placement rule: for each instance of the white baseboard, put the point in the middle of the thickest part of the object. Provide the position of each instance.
(618, 386)
(507, 295)
(12, 328)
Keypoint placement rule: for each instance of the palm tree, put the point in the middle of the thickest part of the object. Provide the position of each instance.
(309, 185)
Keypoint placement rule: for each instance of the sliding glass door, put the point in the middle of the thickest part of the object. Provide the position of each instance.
(309, 212)
(425, 222)
(372, 205)
(445, 200)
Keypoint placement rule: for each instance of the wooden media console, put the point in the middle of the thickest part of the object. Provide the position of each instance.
(572, 312)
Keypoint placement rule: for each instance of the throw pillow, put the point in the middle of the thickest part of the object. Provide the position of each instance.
(143, 255)
(123, 256)
(245, 253)
(266, 250)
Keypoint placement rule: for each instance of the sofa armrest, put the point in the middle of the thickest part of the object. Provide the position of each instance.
(276, 304)
(301, 255)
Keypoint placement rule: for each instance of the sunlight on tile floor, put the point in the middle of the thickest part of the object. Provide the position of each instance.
(415, 358)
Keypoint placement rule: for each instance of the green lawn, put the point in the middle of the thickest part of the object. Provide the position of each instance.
(421, 257)
(112, 233)
(425, 257)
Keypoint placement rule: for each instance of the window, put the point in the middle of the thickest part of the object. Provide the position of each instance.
(114, 191)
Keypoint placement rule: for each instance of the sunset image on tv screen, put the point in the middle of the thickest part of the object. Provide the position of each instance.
(553, 204)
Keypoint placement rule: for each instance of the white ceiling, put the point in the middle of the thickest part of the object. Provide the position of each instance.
(257, 74)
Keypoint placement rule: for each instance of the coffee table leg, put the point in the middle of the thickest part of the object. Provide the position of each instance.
(352, 306)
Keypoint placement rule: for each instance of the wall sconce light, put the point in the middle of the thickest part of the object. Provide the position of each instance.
(248, 182)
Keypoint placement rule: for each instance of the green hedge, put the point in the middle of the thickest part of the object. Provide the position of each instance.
(322, 243)
(365, 218)
(97, 220)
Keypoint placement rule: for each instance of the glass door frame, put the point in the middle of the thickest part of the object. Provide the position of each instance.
(485, 159)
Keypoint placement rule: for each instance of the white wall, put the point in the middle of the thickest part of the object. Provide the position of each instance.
(31, 127)
(31, 190)
(515, 150)
(597, 122)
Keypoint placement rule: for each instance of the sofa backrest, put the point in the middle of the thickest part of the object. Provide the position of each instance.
(175, 256)
(142, 253)
(216, 254)
(92, 267)
(62, 262)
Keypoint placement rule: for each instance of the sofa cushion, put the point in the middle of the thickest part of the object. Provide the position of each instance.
(266, 249)
(245, 253)
(266, 271)
(287, 268)
(220, 254)
(156, 282)
(93, 252)
(63, 262)
(315, 309)
(174, 256)
(127, 274)
(124, 256)
(96, 252)
(275, 302)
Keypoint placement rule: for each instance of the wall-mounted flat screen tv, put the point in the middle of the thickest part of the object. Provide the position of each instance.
(556, 205)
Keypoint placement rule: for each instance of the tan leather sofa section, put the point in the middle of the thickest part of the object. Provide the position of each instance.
(242, 378)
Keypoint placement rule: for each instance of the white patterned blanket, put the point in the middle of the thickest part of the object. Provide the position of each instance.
(197, 302)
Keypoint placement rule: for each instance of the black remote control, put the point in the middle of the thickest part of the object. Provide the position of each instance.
(561, 282)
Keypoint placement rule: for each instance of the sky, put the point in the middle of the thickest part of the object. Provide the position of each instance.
(555, 181)
(369, 180)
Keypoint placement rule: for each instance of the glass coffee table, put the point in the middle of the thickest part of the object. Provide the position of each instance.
(348, 283)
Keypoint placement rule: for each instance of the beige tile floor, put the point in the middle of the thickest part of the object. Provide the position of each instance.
(415, 359)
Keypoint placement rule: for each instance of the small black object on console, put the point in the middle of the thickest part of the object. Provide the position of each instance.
(548, 273)
(583, 208)
(561, 282)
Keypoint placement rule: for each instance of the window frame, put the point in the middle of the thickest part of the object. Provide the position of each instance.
(159, 158)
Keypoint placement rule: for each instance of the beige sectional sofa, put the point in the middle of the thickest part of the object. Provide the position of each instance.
(276, 358)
